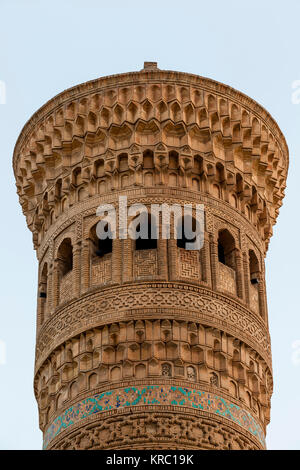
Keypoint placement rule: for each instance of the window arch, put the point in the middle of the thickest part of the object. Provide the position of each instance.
(65, 257)
(254, 268)
(148, 160)
(220, 173)
(43, 292)
(99, 168)
(101, 247)
(81, 195)
(123, 162)
(226, 249)
(77, 179)
(58, 190)
(186, 228)
(173, 160)
(150, 242)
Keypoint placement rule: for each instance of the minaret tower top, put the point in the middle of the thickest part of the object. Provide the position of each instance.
(147, 344)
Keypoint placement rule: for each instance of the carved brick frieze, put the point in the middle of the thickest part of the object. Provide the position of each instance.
(143, 301)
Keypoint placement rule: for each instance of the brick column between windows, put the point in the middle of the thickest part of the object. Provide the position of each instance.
(76, 269)
(55, 297)
(116, 261)
(239, 274)
(205, 260)
(247, 278)
(85, 266)
(214, 261)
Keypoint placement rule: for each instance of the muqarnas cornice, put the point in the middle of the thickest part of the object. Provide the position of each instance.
(223, 134)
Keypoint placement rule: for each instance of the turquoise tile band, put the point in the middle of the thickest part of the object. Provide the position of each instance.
(154, 395)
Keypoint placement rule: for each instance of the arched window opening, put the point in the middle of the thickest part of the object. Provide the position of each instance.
(65, 257)
(123, 162)
(220, 173)
(101, 247)
(43, 293)
(254, 268)
(239, 184)
(226, 249)
(99, 168)
(198, 165)
(148, 243)
(58, 192)
(43, 282)
(77, 180)
(186, 231)
(148, 160)
(173, 160)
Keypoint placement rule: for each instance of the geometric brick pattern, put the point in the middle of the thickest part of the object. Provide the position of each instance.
(145, 263)
(227, 279)
(189, 266)
(101, 270)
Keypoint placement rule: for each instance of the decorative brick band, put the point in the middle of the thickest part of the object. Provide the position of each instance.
(165, 395)
(109, 304)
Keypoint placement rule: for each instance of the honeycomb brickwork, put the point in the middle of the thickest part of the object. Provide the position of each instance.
(160, 348)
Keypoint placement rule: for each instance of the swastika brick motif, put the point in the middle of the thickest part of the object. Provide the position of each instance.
(189, 264)
(101, 270)
(145, 263)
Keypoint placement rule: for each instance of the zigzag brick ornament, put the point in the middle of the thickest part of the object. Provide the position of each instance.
(147, 344)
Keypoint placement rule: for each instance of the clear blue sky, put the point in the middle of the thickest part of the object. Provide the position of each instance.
(47, 47)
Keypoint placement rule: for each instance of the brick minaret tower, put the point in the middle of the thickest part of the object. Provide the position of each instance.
(152, 346)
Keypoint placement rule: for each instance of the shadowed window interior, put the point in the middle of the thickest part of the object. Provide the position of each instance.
(65, 257)
(186, 228)
(254, 268)
(226, 249)
(146, 243)
(102, 247)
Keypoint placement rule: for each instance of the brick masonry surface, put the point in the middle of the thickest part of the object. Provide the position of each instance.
(163, 347)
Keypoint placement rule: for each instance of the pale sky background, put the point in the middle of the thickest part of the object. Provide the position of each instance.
(48, 46)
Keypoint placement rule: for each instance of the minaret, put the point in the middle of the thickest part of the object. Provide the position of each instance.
(149, 345)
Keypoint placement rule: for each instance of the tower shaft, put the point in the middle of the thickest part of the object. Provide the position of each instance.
(152, 346)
